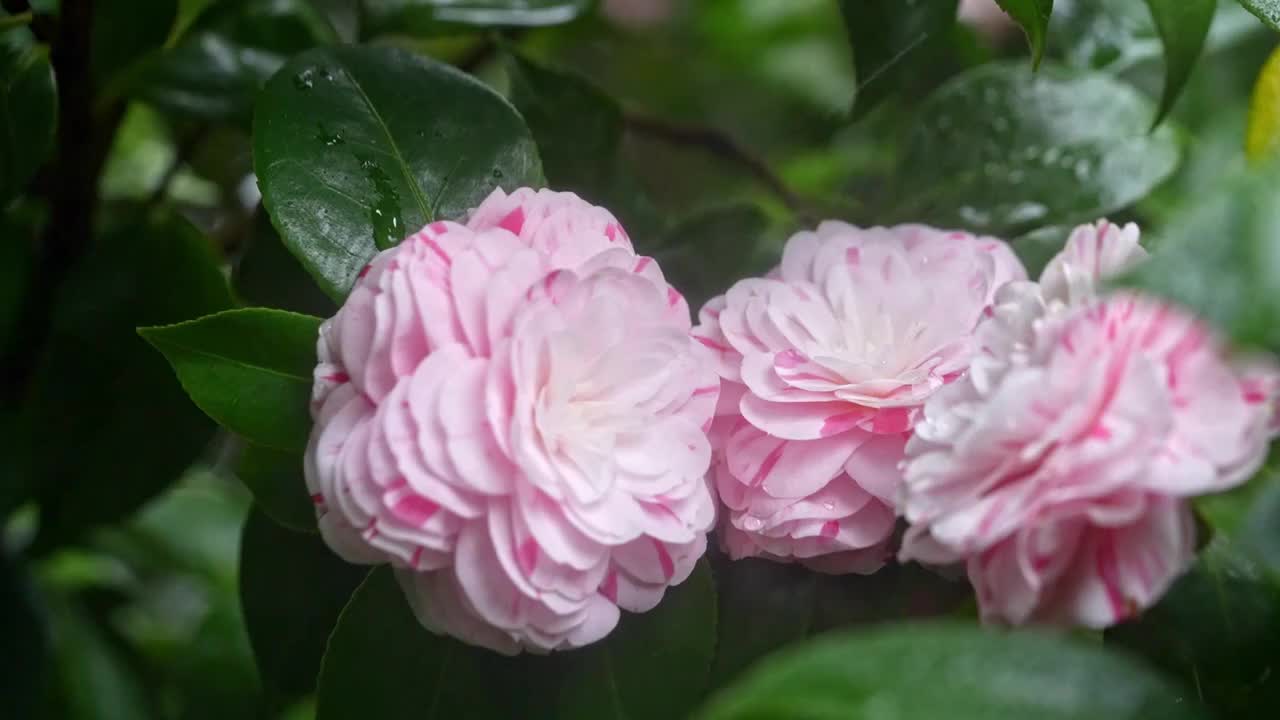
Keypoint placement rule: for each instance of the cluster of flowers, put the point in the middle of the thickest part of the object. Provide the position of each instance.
(518, 414)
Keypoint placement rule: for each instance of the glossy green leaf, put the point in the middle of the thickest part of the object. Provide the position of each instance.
(249, 369)
(134, 429)
(1003, 149)
(1033, 16)
(931, 671)
(382, 664)
(270, 276)
(28, 109)
(888, 36)
(434, 16)
(1220, 257)
(654, 665)
(275, 479)
(578, 130)
(1183, 26)
(1217, 631)
(292, 589)
(357, 147)
(1268, 11)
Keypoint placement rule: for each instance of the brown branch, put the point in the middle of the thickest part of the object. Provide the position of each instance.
(72, 205)
(719, 144)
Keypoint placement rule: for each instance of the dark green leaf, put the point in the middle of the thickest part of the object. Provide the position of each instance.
(1220, 257)
(28, 109)
(249, 369)
(435, 16)
(382, 664)
(932, 671)
(1183, 27)
(1217, 630)
(1036, 248)
(275, 479)
(207, 77)
(1268, 11)
(26, 641)
(125, 31)
(1003, 149)
(1033, 16)
(357, 147)
(888, 36)
(94, 679)
(104, 425)
(654, 665)
(731, 235)
(215, 71)
(292, 589)
(579, 132)
(750, 590)
(269, 275)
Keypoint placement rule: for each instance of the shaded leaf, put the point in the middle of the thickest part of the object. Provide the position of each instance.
(1220, 257)
(930, 671)
(1216, 630)
(1033, 16)
(28, 109)
(123, 32)
(104, 426)
(1003, 149)
(382, 664)
(249, 369)
(292, 589)
(1183, 26)
(578, 130)
(654, 665)
(275, 479)
(269, 275)
(731, 235)
(26, 642)
(217, 68)
(888, 36)
(357, 147)
(437, 16)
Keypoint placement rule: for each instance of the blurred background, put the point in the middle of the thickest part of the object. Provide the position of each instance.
(119, 587)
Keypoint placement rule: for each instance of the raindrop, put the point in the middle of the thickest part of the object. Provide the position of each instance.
(752, 523)
(497, 173)
(305, 80)
(384, 215)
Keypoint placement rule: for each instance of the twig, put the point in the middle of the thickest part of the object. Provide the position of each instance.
(720, 144)
(72, 206)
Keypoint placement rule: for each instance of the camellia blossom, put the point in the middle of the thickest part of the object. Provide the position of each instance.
(1058, 469)
(826, 363)
(512, 413)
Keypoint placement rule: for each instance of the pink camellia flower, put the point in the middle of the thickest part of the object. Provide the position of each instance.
(512, 413)
(826, 363)
(1058, 468)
